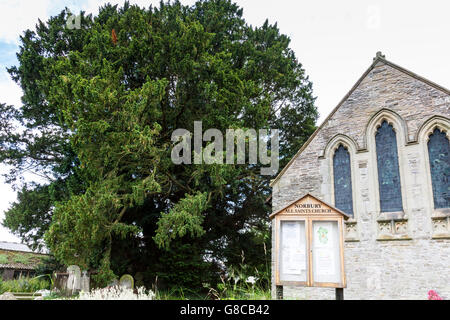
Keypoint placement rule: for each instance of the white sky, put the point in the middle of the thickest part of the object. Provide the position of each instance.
(334, 40)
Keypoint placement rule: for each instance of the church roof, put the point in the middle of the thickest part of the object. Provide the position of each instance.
(14, 246)
(18, 256)
(19, 266)
(379, 58)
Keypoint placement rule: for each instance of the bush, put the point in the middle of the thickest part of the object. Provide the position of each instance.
(48, 265)
(24, 285)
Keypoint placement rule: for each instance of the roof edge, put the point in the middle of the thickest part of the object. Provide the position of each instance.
(272, 215)
(416, 76)
(29, 252)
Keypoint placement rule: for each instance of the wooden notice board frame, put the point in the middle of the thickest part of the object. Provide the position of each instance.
(310, 210)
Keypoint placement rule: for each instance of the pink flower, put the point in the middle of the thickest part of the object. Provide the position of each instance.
(432, 295)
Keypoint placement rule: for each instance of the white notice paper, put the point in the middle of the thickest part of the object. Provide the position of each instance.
(325, 261)
(290, 234)
(324, 249)
(294, 261)
(293, 257)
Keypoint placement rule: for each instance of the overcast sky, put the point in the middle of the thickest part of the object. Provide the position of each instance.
(334, 40)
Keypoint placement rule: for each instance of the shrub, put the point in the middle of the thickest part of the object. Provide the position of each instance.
(48, 265)
(23, 285)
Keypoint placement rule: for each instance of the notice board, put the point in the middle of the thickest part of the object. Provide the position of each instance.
(309, 246)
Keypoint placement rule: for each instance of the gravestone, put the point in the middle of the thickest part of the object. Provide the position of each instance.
(85, 281)
(126, 281)
(7, 296)
(74, 280)
(113, 283)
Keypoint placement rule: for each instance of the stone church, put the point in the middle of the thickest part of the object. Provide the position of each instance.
(382, 157)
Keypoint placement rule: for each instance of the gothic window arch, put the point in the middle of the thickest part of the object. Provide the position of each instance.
(343, 198)
(388, 170)
(439, 154)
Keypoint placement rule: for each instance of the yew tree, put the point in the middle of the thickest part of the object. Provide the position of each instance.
(99, 107)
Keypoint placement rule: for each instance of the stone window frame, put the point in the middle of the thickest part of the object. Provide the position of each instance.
(351, 227)
(440, 218)
(390, 225)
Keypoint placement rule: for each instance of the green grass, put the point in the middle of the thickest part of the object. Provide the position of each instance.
(21, 258)
(246, 294)
(241, 283)
(8, 257)
(231, 293)
(3, 259)
(180, 294)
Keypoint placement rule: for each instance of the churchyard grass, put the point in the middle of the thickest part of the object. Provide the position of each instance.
(238, 285)
(239, 293)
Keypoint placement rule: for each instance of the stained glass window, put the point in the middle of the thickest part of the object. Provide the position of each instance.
(342, 181)
(438, 152)
(388, 172)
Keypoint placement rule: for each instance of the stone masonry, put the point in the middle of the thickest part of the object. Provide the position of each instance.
(387, 256)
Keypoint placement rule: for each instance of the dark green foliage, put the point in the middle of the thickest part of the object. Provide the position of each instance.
(24, 285)
(97, 120)
(49, 265)
(183, 265)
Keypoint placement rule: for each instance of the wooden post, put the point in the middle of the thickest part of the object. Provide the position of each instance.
(339, 293)
(279, 292)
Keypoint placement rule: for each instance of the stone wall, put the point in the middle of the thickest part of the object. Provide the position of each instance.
(387, 256)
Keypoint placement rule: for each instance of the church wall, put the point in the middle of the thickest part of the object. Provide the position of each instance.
(387, 256)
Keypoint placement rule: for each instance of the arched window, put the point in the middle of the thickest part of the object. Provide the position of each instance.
(342, 180)
(388, 173)
(438, 152)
